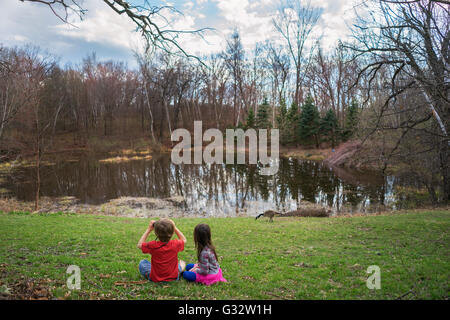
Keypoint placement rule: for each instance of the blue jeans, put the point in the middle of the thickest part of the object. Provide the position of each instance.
(189, 275)
(145, 267)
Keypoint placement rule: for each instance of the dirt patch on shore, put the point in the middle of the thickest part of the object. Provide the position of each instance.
(344, 155)
(124, 207)
(306, 154)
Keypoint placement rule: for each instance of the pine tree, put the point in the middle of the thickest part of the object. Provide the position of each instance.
(281, 122)
(329, 127)
(308, 125)
(292, 123)
(250, 119)
(287, 123)
(281, 118)
(262, 117)
(351, 120)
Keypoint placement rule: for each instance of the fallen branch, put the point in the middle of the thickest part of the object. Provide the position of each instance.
(119, 283)
(404, 295)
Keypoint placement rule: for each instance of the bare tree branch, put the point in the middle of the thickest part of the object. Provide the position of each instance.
(145, 17)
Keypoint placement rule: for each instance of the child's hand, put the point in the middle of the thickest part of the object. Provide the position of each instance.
(150, 226)
(173, 223)
(194, 268)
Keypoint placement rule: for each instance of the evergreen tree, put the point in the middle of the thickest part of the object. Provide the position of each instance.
(262, 117)
(351, 120)
(281, 118)
(329, 127)
(281, 122)
(309, 123)
(250, 119)
(292, 123)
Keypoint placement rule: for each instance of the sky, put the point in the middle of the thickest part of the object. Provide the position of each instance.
(112, 36)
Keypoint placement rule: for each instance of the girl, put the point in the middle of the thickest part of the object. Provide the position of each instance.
(207, 270)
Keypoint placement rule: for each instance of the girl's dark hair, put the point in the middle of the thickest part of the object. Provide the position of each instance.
(202, 239)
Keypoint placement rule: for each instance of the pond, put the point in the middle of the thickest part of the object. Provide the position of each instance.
(214, 190)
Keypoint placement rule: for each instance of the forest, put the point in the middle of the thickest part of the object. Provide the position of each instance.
(384, 95)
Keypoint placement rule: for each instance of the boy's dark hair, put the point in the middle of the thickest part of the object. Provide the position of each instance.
(202, 239)
(163, 230)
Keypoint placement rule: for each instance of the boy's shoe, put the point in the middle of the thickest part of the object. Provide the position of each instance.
(183, 266)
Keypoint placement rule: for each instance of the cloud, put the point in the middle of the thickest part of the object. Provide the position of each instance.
(253, 20)
(334, 22)
(114, 37)
(101, 31)
(102, 26)
(188, 5)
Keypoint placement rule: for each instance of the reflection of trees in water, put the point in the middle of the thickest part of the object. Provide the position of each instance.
(207, 187)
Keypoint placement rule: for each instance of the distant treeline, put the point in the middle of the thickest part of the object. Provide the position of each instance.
(164, 93)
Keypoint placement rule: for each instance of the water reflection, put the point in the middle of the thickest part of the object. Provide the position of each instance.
(220, 190)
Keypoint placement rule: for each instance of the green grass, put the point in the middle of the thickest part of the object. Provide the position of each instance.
(291, 258)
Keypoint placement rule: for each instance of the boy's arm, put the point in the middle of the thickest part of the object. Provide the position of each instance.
(145, 235)
(179, 234)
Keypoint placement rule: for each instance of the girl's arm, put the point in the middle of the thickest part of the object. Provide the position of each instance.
(202, 265)
(145, 235)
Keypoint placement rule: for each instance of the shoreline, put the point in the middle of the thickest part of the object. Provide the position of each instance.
(110, 147)
(172, 207)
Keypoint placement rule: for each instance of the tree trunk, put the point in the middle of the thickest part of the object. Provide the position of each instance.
(151, 114)
(168, 116)
(38, 173)
(444, 158)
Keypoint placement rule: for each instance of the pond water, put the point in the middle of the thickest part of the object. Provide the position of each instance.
(217, 190)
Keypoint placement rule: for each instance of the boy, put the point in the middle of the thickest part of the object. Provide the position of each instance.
(164, 264)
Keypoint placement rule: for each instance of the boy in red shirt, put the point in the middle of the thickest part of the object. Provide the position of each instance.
(164, 264)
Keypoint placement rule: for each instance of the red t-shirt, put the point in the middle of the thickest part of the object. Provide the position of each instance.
(164, 259)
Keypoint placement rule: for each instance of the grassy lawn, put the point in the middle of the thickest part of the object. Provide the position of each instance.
(291, 258)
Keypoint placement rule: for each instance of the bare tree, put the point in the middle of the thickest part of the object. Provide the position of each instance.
(35, 120)
(295, 21)
(215, 79)
(411, 40)
(278, 63)
(331, 77)
(144, 68)
(234, 57)
(13, 85)
(164, 81)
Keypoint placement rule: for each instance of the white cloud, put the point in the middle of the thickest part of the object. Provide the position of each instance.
(34, 23)
(252, 20)
(188, 5)
(19, 38)
(113, 36)
(103, 26)
(334, 22)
